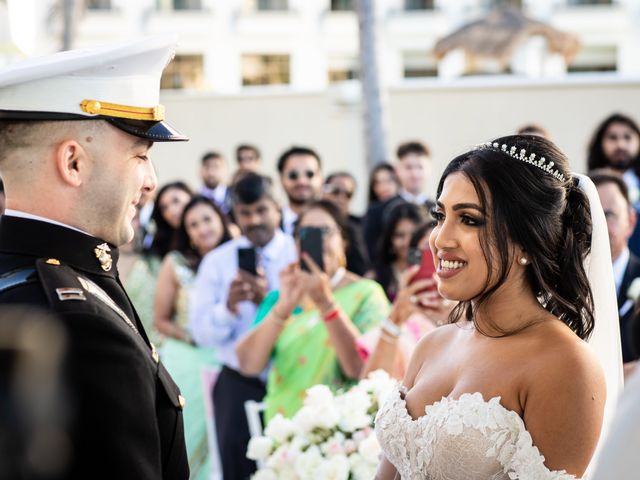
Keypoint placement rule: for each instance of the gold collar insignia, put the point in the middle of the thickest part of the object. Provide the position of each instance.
(103, 256)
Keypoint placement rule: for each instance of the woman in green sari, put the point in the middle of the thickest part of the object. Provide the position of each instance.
(308, 329)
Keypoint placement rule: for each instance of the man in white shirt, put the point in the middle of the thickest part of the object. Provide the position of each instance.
(223, 308)
(621, 220)
(301, 179)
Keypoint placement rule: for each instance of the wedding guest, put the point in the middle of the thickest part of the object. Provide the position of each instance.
(213, 172)
(510, 388)
(203, 227)
(412, 168)
(616, 144)
(417, 310)
(308, 328)
(301, 178)
(224, 305)
(248, 158)
(142, 278)
(621, 220)
(167, 213)
(534, 129)
(339, 187)
(383, 183)
(400, 221)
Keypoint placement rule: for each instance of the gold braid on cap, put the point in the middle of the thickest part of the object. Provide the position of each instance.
(522, 156)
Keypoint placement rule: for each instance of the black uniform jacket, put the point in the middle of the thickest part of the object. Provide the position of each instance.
(125, 410)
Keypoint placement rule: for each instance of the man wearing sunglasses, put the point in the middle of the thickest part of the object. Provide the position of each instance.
(339, 189)
(301, 179)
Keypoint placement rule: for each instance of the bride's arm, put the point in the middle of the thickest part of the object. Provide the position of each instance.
(564, 404)
(386, 471)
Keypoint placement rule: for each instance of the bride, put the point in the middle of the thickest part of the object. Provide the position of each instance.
(510, 389)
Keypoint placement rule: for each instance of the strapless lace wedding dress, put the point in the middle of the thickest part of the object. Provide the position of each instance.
(464, 439)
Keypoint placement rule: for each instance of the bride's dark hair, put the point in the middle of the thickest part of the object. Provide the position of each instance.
(549, 218)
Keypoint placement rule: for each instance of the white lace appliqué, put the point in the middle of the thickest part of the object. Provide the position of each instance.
(460, 440)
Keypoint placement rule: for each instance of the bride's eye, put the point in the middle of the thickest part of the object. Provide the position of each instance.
(471, 221)
(438, 216)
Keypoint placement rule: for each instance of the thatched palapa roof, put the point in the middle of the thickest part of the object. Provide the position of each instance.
(501, 32)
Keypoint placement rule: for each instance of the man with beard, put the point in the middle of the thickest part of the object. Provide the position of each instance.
(616, 144)
(224, 305)
(301, 179)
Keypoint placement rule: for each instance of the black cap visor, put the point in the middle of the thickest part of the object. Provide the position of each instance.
(155, 131)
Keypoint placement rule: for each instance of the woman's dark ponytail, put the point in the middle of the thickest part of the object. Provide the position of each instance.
(571, 299)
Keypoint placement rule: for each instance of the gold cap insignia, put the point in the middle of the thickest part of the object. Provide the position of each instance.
(53, 261)
(103, 256)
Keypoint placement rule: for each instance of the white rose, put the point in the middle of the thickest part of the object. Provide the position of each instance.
(308, 418)
(318, 396)
(305, 419)
(265, 474)
(280, 428)
(335, 445)
(353, 407)
(259, 448)
(361, 469)
(370, 449)
(335, 468)
(308, 463)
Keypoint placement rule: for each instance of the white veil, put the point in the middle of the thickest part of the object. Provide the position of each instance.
(605, 339)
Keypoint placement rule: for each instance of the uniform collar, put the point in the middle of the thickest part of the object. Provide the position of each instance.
(43, 239)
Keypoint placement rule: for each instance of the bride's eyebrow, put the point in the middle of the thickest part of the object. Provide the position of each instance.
(463, 206)
(468, 206)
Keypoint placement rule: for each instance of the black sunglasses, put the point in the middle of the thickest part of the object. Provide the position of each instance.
(294, 175)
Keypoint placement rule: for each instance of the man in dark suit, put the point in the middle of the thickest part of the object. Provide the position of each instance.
(621, 220)
(75, 133)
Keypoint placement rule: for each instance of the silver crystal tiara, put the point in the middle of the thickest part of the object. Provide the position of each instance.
(522, 156)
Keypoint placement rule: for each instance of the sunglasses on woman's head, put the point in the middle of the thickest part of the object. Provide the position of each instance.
(294, 175)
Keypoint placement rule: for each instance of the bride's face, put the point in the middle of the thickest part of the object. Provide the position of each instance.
(461, 267)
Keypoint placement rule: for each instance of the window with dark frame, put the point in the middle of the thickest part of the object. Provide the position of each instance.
(272, 5)
(183, 72)
(99, 4)
(265, 69)
(419, 5)
(187, 4)
(343, 5)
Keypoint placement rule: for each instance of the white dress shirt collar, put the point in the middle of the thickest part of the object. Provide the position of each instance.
(619, 267)
(31, 216)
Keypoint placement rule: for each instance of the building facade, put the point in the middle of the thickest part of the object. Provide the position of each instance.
(231, 46)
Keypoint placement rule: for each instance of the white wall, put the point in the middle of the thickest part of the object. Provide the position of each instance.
(449, 118)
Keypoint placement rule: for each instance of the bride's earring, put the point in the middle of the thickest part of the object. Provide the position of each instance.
(523, 261)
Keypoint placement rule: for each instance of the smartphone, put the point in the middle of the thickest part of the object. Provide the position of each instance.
(427, 267)
(247, 260)
(311, 243)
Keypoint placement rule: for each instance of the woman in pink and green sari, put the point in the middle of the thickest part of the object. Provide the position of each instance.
(309, 328)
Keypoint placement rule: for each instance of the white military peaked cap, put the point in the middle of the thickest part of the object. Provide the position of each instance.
(118, 83)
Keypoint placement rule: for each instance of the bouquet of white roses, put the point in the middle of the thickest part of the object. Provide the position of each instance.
(331, 437)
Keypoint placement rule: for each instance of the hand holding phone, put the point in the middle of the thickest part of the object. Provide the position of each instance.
(311, 244)
(427, 267)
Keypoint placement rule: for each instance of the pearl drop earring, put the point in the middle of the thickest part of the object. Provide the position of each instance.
(523, 260)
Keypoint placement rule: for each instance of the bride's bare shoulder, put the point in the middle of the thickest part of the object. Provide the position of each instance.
(432, 345)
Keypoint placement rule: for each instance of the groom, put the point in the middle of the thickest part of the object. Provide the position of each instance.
(75, 134)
